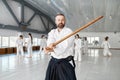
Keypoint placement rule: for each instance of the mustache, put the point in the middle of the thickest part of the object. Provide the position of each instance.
(61, 24)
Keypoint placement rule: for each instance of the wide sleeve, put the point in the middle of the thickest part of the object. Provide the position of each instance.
(51, 38)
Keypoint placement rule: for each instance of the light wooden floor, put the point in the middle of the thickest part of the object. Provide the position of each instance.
(93, 66)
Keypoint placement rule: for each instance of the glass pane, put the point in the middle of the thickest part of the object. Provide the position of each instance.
(88, 38)
(13, 41)
(96, 42)
(0, 42)
(38, 41)
(5, 42)
(34, 41)
(92, 40)
(97, 38)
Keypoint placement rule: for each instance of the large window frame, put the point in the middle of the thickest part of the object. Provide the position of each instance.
(0, 41)
(10, 41)
(5, 41)
(93, 41)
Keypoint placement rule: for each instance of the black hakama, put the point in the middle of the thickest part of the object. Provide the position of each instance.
(61, 69)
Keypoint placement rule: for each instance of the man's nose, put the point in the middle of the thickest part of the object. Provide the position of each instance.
(60, 21)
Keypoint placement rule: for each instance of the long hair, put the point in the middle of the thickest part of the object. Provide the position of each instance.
(77, 35)
(31, 37)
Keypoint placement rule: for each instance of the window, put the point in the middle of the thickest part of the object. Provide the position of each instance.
(5, 41)
(0, 42)
(96, 41)
(93, 41)
(38, 42)
(34, 41)
(88, 38)
(13, 41)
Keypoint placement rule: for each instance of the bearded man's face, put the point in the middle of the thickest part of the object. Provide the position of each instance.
(60, 21)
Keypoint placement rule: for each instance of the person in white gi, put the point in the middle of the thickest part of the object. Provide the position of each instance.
(29, 45)
(43, 43)
(19, 45)
(78, 48)
(59, 67)
(106, 46)
(85, 46)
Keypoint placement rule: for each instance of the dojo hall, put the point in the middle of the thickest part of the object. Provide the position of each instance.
(59, 39)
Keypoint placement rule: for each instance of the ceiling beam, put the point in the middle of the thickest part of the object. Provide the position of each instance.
(11, 27)
(36, 10)
(11, 12)
(22, 12)
(28, 22)
(44, 23)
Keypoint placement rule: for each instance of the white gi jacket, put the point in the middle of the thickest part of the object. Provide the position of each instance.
(63, 49)
(19, 44)
(78, 47)
(78, 43)
(29, 46)
(106, 47)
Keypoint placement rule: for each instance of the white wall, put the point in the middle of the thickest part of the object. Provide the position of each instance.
(7, 33)
(114, 38)
(4, 32)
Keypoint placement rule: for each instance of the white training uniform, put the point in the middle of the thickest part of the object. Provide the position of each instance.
(43, 44)
(106, 47)
(19, 44)
(63, 49)
(85, 47)
(78, 48)
(29, 46)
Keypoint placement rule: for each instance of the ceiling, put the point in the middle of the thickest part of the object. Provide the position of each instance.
(80, 12)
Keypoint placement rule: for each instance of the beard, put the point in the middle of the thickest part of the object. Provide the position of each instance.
(61, 25)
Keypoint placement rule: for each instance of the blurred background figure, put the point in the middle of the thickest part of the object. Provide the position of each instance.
(78, 48)
(19, 45)
(106, 46)
(96, 43)
(43, 43)
(29, 45)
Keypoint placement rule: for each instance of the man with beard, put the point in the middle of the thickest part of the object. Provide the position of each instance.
(59, 67)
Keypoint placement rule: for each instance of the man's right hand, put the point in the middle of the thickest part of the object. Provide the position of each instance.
(47, 50)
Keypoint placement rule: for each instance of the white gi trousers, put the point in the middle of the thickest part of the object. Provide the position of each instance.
(20, 50)
(78, 53)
